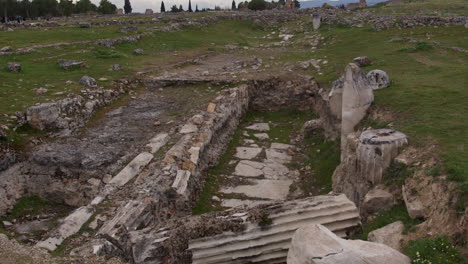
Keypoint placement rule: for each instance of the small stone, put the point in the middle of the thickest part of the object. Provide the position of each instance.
(115, 67)
(211, 108)
(6, 223)
(259, 127)
(362, 61)
(41, 91)
(94, 181)
(262, 136)
(6, 49)
(138, 52)
(69, 64)
(157, 123)
(215, 199)
(188, 128)
(378, 79)
(13, 67)
(107, 178)
(88, 81)
(390, 235)
(247, 153)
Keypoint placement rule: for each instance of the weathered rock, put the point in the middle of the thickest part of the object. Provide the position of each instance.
(84, 25)
(115, 67)
(158, 141)
(43, 116)
(262, 127)
(390, 235)
(70, 226)
(364, 161)
(13, 67)
(247, 153)
(261, 136)
(138, 52)
(336, 97)
(316, 21)
(315, 244)
(6, 49)
(377, 200)
(127, 30)
(362, 61)
(132, 169)
(414, 206)
(188, 128)
(88, 81)
(357, 98)
(378, 79)
(249, 168)
(70, 64)
(278, 156)
(262, 189)
(41, 91)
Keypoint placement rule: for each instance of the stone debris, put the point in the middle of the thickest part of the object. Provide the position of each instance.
(157, 142)
(132, 169)
(247, 153)
(115, 67)
(315, 244)
(188, 128)
(262, 127)
(377, 200)
(378, 79)
(262, 189)
(390, 235)
(414, 206)
(88, 81)
(138, 52)
(362, 61)
(6, 49)
(70, 64)
(261, 136)
(127, 30)
(13, 67)
(70, 226)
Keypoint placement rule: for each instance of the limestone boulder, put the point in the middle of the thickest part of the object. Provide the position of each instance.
(377, 200)
(315, 244)
(414, 206)
(70, 64)
(43, 116)
(362, 61)
(390, 235)
(378, 79)
(13, 67)
(138, 52)
(88, 81)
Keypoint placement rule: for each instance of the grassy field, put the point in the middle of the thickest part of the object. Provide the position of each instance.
(40, 68)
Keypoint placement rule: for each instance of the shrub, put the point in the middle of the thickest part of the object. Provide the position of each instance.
(433, 250)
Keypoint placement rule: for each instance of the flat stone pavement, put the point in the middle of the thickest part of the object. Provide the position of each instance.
(261, 169)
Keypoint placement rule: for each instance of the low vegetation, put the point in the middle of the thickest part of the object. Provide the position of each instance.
(438, 250)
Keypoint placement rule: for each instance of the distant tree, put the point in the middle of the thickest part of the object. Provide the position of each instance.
(190, 6)
(257, 5)
(297, 4)
(44, 8)
(127, 7)
(163, 7)
(181, 9)
(217, 8)
(243, 5)
(282, 2)
(65, 7)
(83, 6)
(106, 7)
(233, 6)
(174, 9)
(196, 8)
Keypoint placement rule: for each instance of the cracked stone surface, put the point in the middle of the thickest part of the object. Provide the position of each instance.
(259, 127)
(247, 153)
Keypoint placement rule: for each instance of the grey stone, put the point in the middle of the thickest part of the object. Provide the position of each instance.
(6, 49)
(43, 116)
(281, 146)
(13, 67)
(390, 235)
(414, 206)
(378, 79)
(126, 30)
(247, 153)
(261, 136)
(278, 156)
(188, 128)
(158, 141)
(315, 244)
(70, 64)
(34, 226)
(132, 169)
(259, 127)
(249, 168)
(316, 21)
(362, 61)
(377, 200)
(115, 67)
(264, 189)
(88, 81)
(138, 52)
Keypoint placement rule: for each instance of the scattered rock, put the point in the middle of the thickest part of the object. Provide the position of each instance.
(362, 61)
(211, 108)
(13, 67)
(315, 244)
(262, 136)
(390, 235)
(84, 25)
(188, 128)
(70, 64)
(6, 223)
(127, 30)
(414, 206)
(88, 81)
(378, 79)
(6, 49)
(377, 200)
(115, 67)
(259, 127)
(41, 91)
(138, 52)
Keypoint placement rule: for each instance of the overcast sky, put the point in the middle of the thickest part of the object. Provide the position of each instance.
(142, 5)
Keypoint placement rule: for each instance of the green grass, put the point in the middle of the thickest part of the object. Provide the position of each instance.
(396, 174)
(422, 7)
(323, 156)
(438, 250)
(428, 91)
(30, 205)
(396, 213)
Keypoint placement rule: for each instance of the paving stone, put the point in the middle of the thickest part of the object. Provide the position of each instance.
(188, 128)
(281, 146)
(265, 189)
(262, 136)
(247, 153)
(274, 170)
(278, 156)
(249, 168)
(259, 127)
